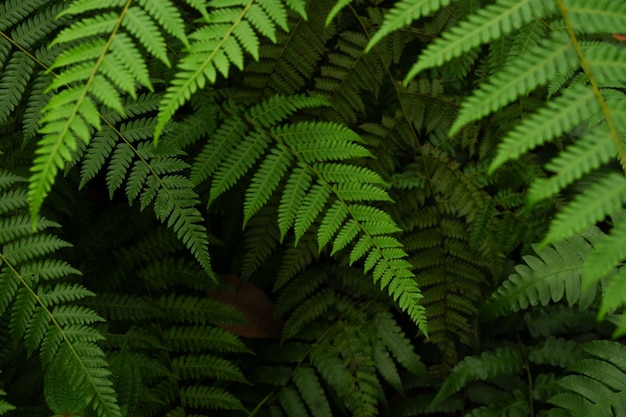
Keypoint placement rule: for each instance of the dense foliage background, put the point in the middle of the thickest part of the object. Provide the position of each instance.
(324, 208)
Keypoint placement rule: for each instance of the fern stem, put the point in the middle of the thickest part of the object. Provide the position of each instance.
(594, 85)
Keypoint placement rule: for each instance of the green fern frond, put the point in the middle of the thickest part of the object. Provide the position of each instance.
(596, 388)
(201, 339)
(229, 33)
(483, 26)
(559, 116)
(292, 403)
(312, 158)
(42, 314)
(557, 320)
(261, 239)
(554, 55)
(606, 195)
(311, 390)
(556, 352)
(602, 16)
(298, 290)
(556, 274)
(154, 176)
(201, 396)
(397, 343)
(349, 74)
(607, 254)
(402, 14)
(188, 309)
(307, 312)
(504, 361)
(286, 67)
(17, 73)
(587, 154)
(296, 258)
(103, 58)
(199, 367)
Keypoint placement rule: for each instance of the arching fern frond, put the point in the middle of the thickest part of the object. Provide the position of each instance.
(481, 27)
(351, 347)
(286, 67)
(584, 107)
(231, 32)
(42, 312)
(312, 160)
(596, 386)
(402, 14)
(101, 59)
(27, 27)
(556, 274)
(504, 361)
(153, 176)
(350, 73)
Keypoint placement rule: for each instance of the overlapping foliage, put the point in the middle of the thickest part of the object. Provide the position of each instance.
(356, 207)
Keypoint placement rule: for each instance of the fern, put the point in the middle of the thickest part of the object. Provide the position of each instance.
(5, 407)
(154, 178)
(488, 365)
(351, 347)
(232, 31)
(41, 311)
(596, 384)
(286, 67)
(174, 340)
(304, 152)
(555, 275)
(103, 58)
(582, 97)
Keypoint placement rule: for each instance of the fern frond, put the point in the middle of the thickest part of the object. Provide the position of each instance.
(397, 343)
(102, 58)
(602, 16)
(350, 73)
(187, 309)
(199, 367)
(155, 175)
(555, 352)
(230, 31)
(483, 26)
(606, 195)
(201, 339)
(17, 73)
(559, 116)
(201, 396)
(312, 393)
(504, 361)
(558, 320)
(43, 314)
(286, 67)
(556, 273)
(312, 158)
(307, 312)
(402, 14)
(588, 153)
(542, 62)
(292, 403)
(597, 386)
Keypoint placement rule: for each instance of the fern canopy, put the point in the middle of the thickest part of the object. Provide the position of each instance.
(312, 208)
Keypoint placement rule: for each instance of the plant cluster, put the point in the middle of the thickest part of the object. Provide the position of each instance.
(312, 208)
